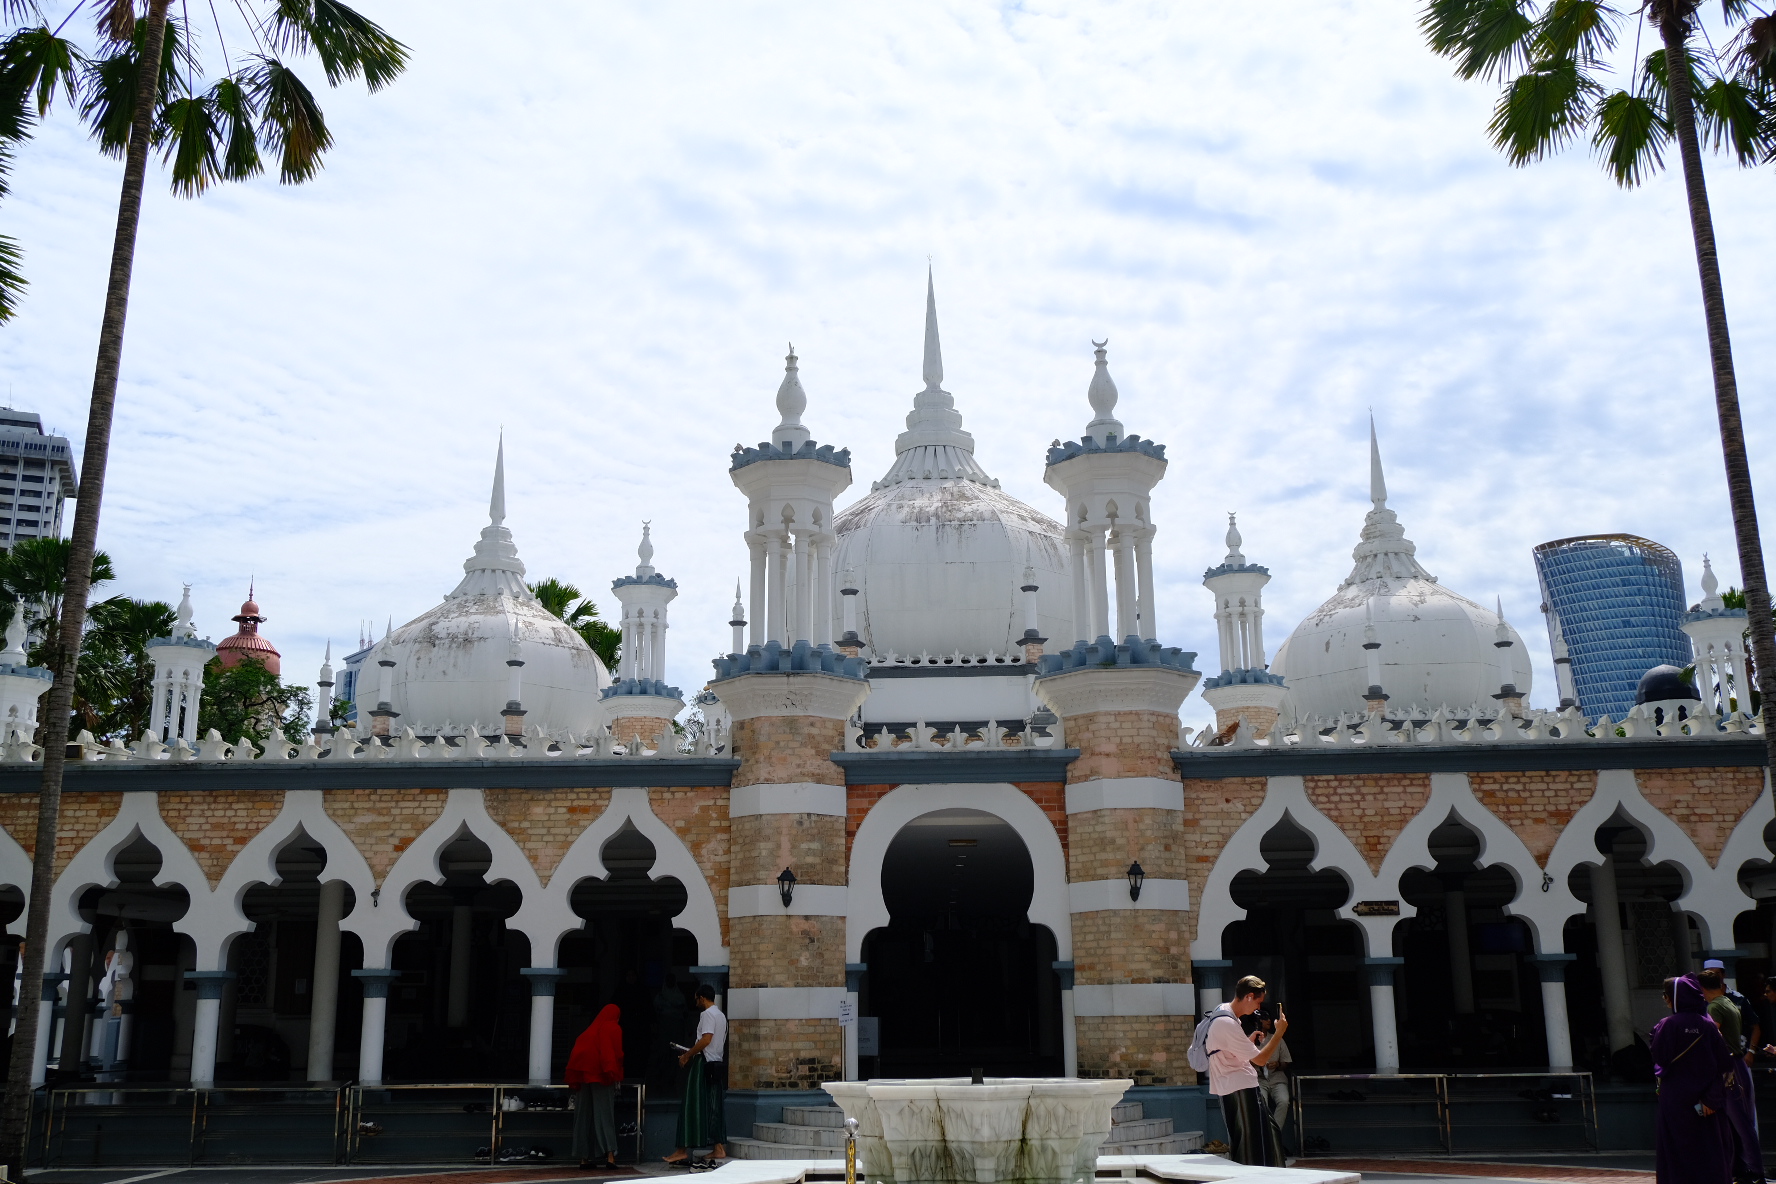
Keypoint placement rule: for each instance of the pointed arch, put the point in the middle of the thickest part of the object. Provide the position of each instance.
(92, 867)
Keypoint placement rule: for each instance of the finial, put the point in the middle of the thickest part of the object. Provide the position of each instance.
(1378, 490)
(1710, 584)
(645, 553)
(1102, 395)
(933, 349)
(739, 607)
(328, 657)
(1233, 541)
(184, 627)
(496, 505)
(15, 634)
(792, 400)
(388, 628)
(1503, 632)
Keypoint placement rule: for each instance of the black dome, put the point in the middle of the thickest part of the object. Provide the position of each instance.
(1662, 683)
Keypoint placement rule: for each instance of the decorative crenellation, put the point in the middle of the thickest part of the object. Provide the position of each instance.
(772, 658)
(1066, 450)
(990, 736)
(1104, 652)
(825, 453)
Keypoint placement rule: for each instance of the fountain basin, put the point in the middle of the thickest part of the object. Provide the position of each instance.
(944, 1130)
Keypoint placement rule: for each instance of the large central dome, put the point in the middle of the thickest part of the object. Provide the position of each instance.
(937, 551)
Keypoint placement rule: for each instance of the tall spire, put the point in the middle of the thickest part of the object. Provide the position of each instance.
(496, 505)
(933, 349)
(1378, 490)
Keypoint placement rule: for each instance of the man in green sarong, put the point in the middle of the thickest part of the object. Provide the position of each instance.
(701, 1117)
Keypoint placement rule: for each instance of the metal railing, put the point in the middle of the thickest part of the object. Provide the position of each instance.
(1384, 1111)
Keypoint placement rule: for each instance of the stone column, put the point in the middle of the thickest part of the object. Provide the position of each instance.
(1461, 963)
(1612, 959)
(462, 932)
(1552, 969)
(78, 1009)
(1211, 975)
(787, 810)
(376, 992)
(52, 984)
(323, 1012)
(542, 1021)
(1132, 996)
(1069, 1022)
(206, 1024)
(854, 972)
(1381, 1013)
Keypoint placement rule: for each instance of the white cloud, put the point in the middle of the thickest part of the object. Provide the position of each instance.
(598, 225)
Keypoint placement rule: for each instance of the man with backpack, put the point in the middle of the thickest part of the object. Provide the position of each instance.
(1222, 1047)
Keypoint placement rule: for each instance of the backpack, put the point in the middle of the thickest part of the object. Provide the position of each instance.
(1198, 1056)
(1749, 1018)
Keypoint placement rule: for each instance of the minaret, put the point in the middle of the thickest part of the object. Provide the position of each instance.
(1245, 689)
(1717, 635)
(640, 704)
(1118, 702)
(788, 695)
(1509, 697)
(21, 684)
(323, 725)
(178, 678)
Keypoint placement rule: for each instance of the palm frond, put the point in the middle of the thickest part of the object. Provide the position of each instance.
(349, 44)
(16, 117)
(1757, 49)
(1733, 10)
(34, 62)
(1582, 29)
(1486, 38)
(1630, 138)
(16, 10)
(292, 124)
(1734, 117)
(234, 103)
(12, 280)
(116, 20)
(189, 131)
(1542, 110)
(108, 105)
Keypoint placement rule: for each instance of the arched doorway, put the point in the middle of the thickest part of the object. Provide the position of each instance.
(960, 978)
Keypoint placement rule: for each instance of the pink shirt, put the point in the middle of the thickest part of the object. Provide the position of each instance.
(1230, 1057)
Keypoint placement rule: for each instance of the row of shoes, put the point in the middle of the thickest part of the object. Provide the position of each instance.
(514, 1154)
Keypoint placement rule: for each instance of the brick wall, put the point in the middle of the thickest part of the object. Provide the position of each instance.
(785, 1054)
(83, 816)
(1213, 811)
(1131, 946)
(1122, 744)
(381, 824)
(1050, 795)
(1371, 808)
(1536, 805)
(784, 749)
(215, 826)
(1150, 1048)
(1706, 803)
(699, 817)
(1105, 842)
(626, 728)
(545, 822)
(787, 950)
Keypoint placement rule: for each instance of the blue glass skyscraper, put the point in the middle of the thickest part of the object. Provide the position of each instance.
(1617, 601)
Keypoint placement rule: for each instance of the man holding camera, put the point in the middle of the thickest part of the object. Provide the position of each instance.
(1233, 1076)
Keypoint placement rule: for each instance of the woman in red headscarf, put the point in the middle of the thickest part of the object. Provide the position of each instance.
(595, 1068)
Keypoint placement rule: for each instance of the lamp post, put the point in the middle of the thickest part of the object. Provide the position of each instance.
(850, 1151)
(786, 886)
(1137, 877)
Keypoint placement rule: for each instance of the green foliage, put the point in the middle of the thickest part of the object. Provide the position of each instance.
(114, 684)
(1551, 59)
(33, 571)
(564, 600)
(249, 700)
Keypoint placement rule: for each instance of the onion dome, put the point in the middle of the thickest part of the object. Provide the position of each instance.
(247, 641)
(452, 664)
(1662, 684)
(1436, 647)
(937, 550)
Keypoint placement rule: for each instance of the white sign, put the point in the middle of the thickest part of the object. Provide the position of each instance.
(846, 1013)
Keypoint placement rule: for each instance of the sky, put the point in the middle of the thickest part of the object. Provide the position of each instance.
(595, 226)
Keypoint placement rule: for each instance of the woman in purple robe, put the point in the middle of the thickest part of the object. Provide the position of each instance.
(1694, 1141)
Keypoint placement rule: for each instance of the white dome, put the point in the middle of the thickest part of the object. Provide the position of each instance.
(938, 551)
(1437, 648)
(451, 662)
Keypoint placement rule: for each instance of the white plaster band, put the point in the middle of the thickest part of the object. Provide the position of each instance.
(1134, 999)
(784, 1003)
(1093, 896)
(808, 900)
(797, 797)
(1125, 793)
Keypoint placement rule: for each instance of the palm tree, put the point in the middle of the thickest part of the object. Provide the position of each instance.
(565, 601)
(1551, 58)
(34, 572)
(139, 91)
(114, 693)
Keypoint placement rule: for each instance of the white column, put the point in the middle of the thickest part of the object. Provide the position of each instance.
(828, 585)
(1126, 624)
(376, 989)
(1552, 968)
(1612, 961)
(1100, 584)
(206, 1025)
(46, 1001)
(1461, 965)
(323, 1014)
(1381, 1013)
(756, 616)
(1081, 598)
(800, 599)
(774, 593)
(462, 919)
(1144, 579)
(854, 972)
(1069, 1022)
(542, 1021)
(1257, 633)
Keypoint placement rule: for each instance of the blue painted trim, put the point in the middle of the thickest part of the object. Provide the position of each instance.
(542, 979)
(971, 768)
(800, 658)
(376, 982)
(1062, 453)
(1104, 653)
(1473, 758)
(766, 450)
(210, 983)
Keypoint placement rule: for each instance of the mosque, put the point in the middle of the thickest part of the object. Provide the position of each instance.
(939, 815)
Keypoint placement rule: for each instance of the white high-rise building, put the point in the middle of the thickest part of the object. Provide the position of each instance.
(37, 478)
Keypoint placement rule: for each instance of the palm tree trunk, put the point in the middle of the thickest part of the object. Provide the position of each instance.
(1673, 18)
(15, 1116)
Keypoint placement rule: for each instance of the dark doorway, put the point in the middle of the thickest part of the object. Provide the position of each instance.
(1311, 958)
(960, 979)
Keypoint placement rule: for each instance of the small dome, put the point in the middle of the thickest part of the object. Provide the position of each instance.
(452, 664)
(1664, 683)
(232, 650)
(1436, 648)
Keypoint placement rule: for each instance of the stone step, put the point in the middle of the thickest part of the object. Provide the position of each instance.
(814, 1116)
(1175, 1144)
(805, 1136)
(1140, 1130)
(757, 1149)
(1127, 1112)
